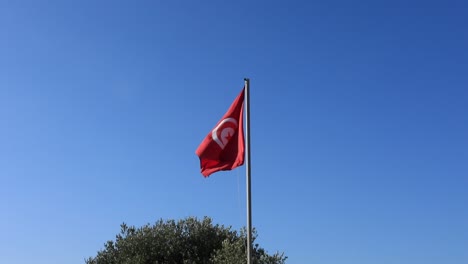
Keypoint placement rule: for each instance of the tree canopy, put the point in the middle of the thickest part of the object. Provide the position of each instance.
(186, 241)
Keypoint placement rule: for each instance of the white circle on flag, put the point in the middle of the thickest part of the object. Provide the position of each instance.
(224, 131)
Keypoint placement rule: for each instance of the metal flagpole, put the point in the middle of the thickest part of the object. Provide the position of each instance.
(247, 166)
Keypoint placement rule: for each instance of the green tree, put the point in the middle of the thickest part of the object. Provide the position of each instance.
(187, 241)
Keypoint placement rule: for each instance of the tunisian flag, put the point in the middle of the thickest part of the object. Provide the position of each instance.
(223, 147)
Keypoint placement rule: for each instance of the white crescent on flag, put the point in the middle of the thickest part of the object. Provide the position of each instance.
(224, 131)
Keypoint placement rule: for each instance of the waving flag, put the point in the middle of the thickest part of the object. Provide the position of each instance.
(223, 147)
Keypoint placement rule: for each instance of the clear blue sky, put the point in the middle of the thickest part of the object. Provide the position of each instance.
(359, 125)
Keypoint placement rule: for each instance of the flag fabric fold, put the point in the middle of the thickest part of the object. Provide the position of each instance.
(223, 148)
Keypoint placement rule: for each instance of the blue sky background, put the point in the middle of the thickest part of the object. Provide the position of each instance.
(359, 124)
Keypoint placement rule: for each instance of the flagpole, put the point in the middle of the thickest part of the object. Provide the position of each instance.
(247, 166)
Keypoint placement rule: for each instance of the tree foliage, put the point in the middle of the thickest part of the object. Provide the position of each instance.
(186, 241)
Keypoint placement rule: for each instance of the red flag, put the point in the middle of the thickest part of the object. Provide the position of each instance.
(223, 147)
